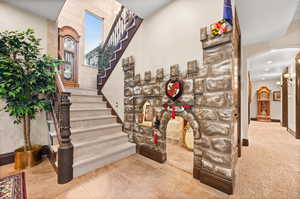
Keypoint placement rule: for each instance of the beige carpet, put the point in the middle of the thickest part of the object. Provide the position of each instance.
(180, 157)
(268, 169)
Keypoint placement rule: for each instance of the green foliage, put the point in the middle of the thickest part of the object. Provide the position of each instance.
(26, 77)
(104, 54)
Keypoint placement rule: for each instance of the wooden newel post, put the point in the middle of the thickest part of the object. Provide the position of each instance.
(65, 150)
(99, 87)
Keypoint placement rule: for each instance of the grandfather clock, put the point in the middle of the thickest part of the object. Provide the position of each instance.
(68, 51)
(263, 104)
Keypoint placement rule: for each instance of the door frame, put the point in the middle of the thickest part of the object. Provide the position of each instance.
(298, 96)
(237, 38)
(284, 104)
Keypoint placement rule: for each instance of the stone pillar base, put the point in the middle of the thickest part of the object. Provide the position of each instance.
(148, 152)
(215, 181)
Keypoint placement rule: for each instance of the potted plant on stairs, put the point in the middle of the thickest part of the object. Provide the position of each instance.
(26, 81)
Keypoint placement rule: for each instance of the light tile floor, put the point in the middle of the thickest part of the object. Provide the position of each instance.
(268, 169)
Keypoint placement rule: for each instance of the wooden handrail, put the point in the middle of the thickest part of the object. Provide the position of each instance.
(59, 82)
(55, 122)
(113, 26)
(61, 118)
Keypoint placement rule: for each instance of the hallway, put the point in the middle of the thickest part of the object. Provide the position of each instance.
(268, 169)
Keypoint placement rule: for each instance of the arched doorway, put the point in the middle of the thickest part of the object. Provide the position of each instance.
(173, 142)
(180, 143)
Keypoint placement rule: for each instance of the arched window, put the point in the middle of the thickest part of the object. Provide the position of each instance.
(68, 51)
(148, 114)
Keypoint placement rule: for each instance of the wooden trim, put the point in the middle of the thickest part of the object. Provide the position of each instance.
(62, 33)
(293, 133)
(275, 120)
(69, 31)
(148, 152)
(245, 142)
(272, 120)
(215, 181)
(238, 53)
(7, 158)
(284, 96)
(297, 97)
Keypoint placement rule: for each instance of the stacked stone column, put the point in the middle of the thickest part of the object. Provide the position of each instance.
(215, 113)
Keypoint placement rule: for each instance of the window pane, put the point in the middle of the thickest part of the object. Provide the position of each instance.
(68, 65)
(93, 38)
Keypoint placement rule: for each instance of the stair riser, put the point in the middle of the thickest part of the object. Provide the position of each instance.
(76, 114)
(91, 123)
(86, 99)
(88, 105)
(90, 166)
(91, 135)
(98, 147)
(82, 92)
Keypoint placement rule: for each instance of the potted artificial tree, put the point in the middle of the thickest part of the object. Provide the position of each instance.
(26, 81)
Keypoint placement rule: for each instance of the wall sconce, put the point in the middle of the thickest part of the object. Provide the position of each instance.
(286, 75)
(298, 61)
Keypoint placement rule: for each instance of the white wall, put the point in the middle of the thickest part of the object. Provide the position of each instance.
(170, 36)
(292, 97)
(275, 106)
(11, 136)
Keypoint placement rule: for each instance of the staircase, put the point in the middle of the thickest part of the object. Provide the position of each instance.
(84, 135)
(123, 30)
(96, 136)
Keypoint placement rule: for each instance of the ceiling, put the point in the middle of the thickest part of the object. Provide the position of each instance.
(269, 65)
(264, 20)
(48, 9)
(144, 8)
(297, 15)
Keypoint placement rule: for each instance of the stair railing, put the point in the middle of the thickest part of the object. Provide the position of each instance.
(112, 49)
(60, 113)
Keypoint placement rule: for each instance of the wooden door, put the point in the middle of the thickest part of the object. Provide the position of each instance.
(298, 96)
(237, 76)
(284, 121)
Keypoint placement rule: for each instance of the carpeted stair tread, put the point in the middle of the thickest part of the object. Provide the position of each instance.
(102, 154)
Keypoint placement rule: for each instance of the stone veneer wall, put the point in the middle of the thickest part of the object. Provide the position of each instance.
(208, 89)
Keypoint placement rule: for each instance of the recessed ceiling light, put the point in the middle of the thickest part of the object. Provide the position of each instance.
(270, 62)
(267, 69)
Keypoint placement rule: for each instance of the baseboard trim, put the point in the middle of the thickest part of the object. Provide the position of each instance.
(275, 120)
(245, 142)
(150, 153)
(215, 181)
(272, 120)
(293, 133)
(7, 158)
(113, 112)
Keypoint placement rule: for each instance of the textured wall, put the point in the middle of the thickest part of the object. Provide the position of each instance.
(11, 135)
(209, 90)
(169, 36)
